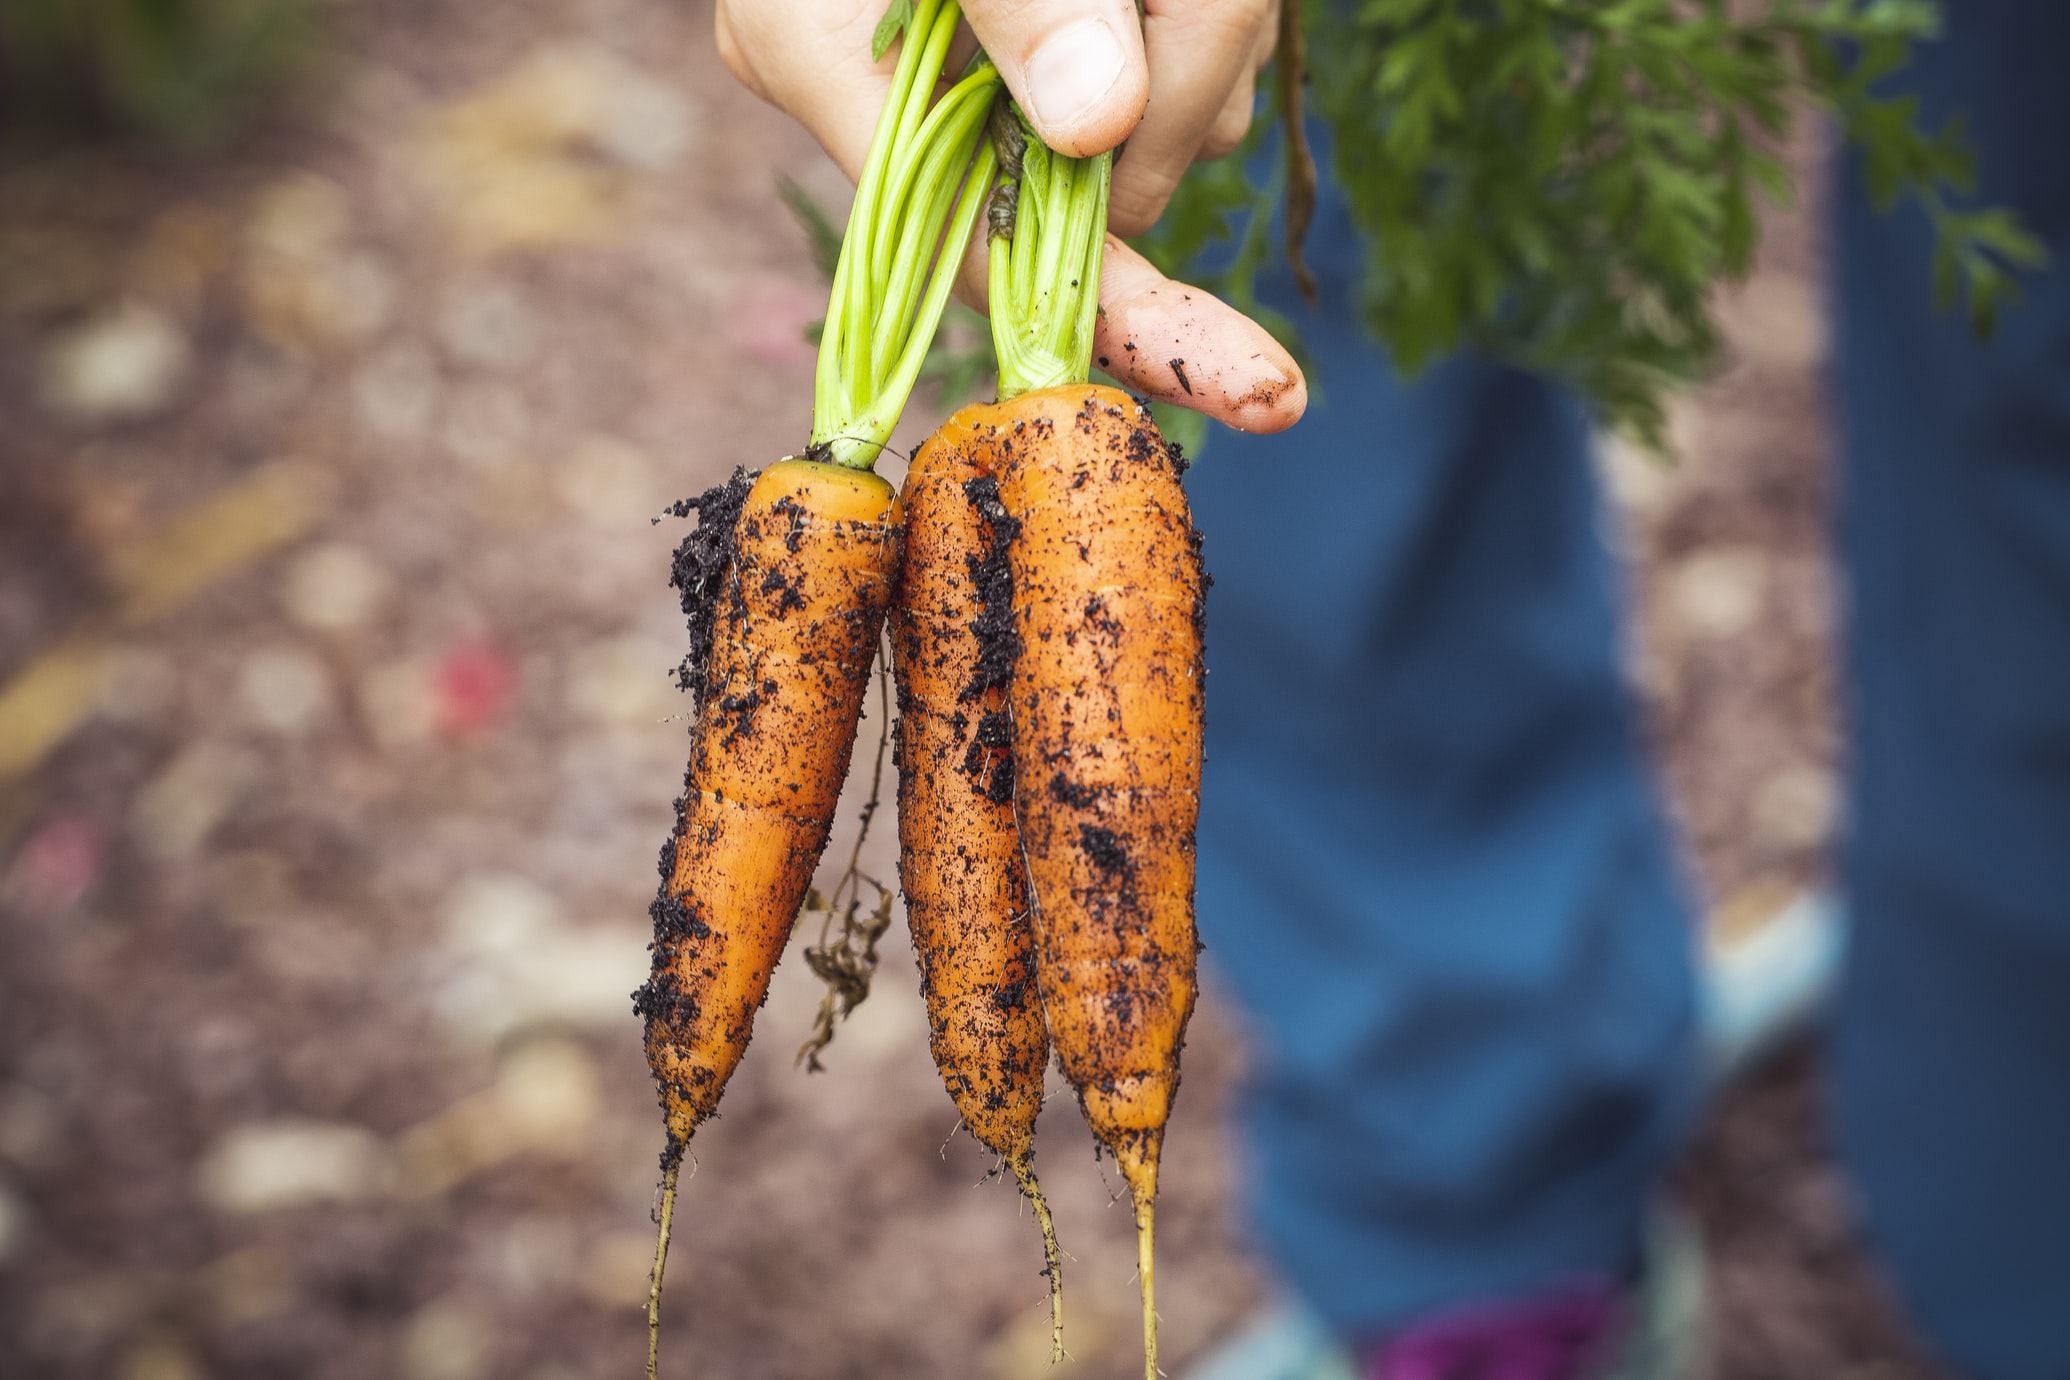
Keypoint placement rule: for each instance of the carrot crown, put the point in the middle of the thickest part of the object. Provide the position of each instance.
(918, 200)
(1048, 230)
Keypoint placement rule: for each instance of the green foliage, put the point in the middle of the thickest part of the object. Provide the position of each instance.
(820, 231)
(896, 17)
(1560, 183)
(959, 360)
(177, 69)
(922, 191)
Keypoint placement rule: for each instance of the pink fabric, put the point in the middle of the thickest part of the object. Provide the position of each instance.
(1557, 1336)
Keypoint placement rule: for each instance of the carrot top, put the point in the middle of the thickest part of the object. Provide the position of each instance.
(915, 206)
(1047, 233)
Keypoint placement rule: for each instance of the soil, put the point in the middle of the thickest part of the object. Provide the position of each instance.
(699, 567)
(992, 577)
(326, 567)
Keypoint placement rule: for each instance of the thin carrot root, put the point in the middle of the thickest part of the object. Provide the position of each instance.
(666, 1219)
(846, 960)
(1146, 1230)
(1052, 1255)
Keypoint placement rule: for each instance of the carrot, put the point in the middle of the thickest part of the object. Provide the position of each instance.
(795, 631)
(1106, 697)
(787, 585)
(959, 856)
(1105, 693)
(792, 631)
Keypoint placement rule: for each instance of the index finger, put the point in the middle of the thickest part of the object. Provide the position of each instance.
(1183, 345)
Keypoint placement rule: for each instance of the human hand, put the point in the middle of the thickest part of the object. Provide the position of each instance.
(1177, 87)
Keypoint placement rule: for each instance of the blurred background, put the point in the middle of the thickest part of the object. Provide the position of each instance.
(346, 351)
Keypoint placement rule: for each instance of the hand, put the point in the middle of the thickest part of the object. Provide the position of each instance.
(1085, 73)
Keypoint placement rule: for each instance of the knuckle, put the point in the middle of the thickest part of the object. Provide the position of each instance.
(1238, 18)
(1225, 137)
(1247, 14)
(1134, 207)
(1222, 25)
(1229, 128)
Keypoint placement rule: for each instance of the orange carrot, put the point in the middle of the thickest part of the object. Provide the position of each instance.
(788, 637)
(1105, 694)
(959, 857)
(786, 619)
(1106, 708)
(795, 630)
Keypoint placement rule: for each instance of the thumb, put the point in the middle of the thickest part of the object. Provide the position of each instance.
(1076, 67)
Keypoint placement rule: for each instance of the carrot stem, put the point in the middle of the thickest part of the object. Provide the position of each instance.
(911, 144)
(904, 242)
(1045, 291)
(946, 138)
(849, 274)
(882, 414)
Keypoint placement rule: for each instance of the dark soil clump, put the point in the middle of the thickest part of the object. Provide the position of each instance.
(988, 762)
(698, 571)
(999, 643)
(1106, 850)
(1065, 791)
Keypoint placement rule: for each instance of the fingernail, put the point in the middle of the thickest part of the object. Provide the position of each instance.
(1073, 69)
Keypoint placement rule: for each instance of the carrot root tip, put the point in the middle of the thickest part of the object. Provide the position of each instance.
(1052, 1257)
(672, 1167)
(1145, 1234)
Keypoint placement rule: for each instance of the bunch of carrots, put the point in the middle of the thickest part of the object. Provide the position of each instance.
(1042, 581)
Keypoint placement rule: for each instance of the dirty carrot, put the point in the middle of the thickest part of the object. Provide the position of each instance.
(1105, 695)
(1106, 707)
(794, 629)
(786, 581)
(959, 856)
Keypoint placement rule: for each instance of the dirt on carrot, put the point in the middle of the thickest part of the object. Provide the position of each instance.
(960, 855)
(698, 571)
(793, 628)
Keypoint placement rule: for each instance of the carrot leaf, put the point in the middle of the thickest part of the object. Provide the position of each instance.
(958, 359)
(819, 229)
(889, 28)
(1561, 183)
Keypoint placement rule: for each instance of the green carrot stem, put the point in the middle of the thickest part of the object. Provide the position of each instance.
(849, 279)
(916, 148)
(927, 168)
(1025, 240)
(949, 136)
(874, 422)
(1045, 270)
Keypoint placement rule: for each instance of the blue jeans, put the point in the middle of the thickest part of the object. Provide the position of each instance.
(1433, 867)
(1952, 1050)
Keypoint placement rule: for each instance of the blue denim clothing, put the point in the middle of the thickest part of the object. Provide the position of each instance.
(1432, 866)
(1952, 1068)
